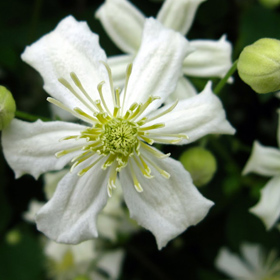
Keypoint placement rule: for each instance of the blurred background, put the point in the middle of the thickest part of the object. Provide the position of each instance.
(192, 254)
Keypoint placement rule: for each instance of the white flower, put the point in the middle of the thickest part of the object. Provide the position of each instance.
(266, 161)
(124, 24)
(65, 262)
(253, 264)
(120, 126)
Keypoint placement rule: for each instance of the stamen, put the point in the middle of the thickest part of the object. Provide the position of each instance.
(148, 140)
(154, 126)
(69, 137)
(83, 171)
(65, 152)
(135, 180)
(110, 81)
(164, 112)
(70, 88)
(109, 161)
(145, 172)
(162, 172)
(98, 106)
(117, 93)
(116, 112)
(113, 176)
(128, 73)
(80, 86)
(82, 113)
(99, 88)
(153, 151)
(150, 100)
(65, 108)
(82, 159)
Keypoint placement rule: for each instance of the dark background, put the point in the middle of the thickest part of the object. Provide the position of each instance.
(191, 255)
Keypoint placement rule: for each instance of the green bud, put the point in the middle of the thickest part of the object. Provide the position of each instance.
(82, 277)
(13, 237)
(270, 3)
(7, 107)
(200, 163)
(259, 65)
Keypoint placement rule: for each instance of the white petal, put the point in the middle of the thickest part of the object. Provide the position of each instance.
(253, 255)
(184, 89)
(33, 207)
(196, 117)
(123, 22)
(268, 208)
(278, 129)
(166, 207)
(210, 58)
(111, 262)
(70, 47)
(118, 66)
(109, 220)
(51, 180)
(70, 215)
(178, 14)
(81, 253)
(233, 266)
(157, 66)
(31, 147)
(263, 160)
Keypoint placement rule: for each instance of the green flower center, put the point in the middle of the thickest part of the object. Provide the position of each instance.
(119, 137)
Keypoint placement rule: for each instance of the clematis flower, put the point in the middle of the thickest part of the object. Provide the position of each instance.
(254, 263)
(115, 137)
(266, 161)
(84, 260)
(124, 24)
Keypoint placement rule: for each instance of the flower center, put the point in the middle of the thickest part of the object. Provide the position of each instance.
(119, 137)
(116, 137)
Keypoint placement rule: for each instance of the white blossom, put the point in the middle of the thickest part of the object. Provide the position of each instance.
(115, 135)
(253, 264)
(124, 23)
(266, 162)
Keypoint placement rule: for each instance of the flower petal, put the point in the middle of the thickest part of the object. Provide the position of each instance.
(166, 207)
(111, 262)
(268, 208)
(196, 117)
(184, 89)
(157, 66)
(253, 255)
(179, 14)
(70, 215)
(278, 129)
(232, 265)
(118, 66)
(210, 58)
(31, 147)
(123, 22)
(263, 160)
(70, 47)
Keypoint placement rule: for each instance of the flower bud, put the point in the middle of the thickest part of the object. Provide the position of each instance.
(200, 163)
(13, 237)
(7, 107)
(259, 65)
(270, 3)
(82, 277)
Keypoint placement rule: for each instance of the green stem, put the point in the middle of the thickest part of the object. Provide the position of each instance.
(29, 117)
(224, 80)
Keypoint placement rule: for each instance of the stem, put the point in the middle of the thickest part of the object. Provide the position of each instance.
(223, 81)
(29, 117)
